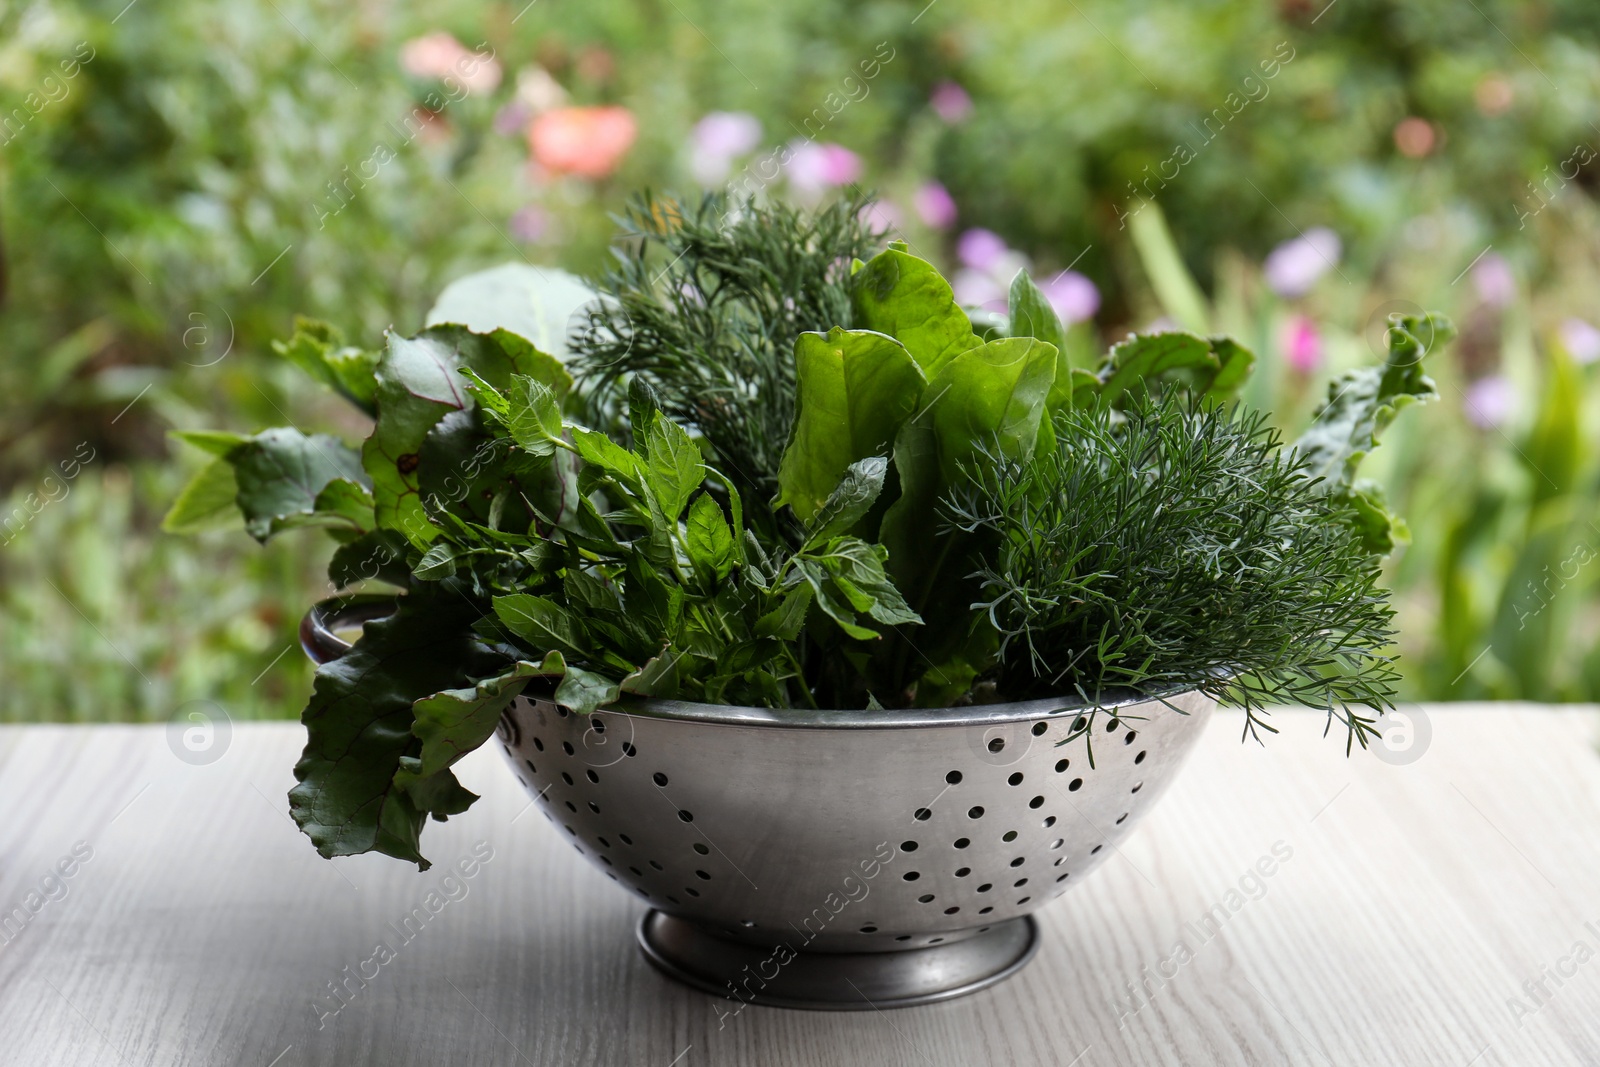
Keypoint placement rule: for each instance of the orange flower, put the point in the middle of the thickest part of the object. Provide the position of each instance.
(587, 141)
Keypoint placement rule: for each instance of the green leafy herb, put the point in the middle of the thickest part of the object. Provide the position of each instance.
(318, 348)
(1178, 547)
(1360, 406)
(806, 480)
(704, 304)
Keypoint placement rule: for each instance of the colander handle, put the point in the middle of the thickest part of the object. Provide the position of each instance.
(319, 636)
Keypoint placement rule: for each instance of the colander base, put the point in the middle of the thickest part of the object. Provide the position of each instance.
(835, 981)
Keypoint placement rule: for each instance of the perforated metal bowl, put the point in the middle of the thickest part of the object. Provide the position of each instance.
(847, 859)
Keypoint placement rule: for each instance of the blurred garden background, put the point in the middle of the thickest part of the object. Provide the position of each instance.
(178, 180)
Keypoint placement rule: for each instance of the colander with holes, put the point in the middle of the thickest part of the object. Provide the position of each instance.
(847, 859)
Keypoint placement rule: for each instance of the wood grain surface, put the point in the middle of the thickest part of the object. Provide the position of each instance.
(1282, 905)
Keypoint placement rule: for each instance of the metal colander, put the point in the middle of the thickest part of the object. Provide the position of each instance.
(836, 859)
(843, 836)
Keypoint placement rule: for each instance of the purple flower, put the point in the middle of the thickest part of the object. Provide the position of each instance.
(530, 224)
(1293, 267)
(1073, 296)
(814, 167)
(950, 102)
(1490, 402)
(976, 288)
(727, 133)
(934, 205)
(981, 249)
(1491, 275)
(1302, 345)
(716, 139)
(1581, 340)
(882, 216)
(512, 119)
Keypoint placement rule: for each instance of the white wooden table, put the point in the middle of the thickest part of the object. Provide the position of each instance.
(1445, 912)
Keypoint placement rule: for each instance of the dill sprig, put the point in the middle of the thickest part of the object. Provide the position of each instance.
(1172, 546)
(704, 303)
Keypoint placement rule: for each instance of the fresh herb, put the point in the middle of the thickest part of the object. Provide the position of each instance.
(769, 473)
(705, 303)
(1175, 547)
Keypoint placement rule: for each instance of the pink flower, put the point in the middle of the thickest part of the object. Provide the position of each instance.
(1302, 344)
(814, 167)
(979, 289)
(1074, 297)
(1415, 137)
(716, 139)
(934, 205)
(530, 224)
(981, 249)
(587, 141)
(1490, 402)
(882, 217)
(1491, 276)
(1293, 267)
(1581, 340)
(440, 56)
(950, 102)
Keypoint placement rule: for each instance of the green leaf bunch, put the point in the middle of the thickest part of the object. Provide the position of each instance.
(772, 472)
(1174, 546)
(704, 302)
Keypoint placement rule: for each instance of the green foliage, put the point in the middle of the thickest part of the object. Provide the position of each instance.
(318, 348)
(1177, 547)
(905, 297)
(706, 300)
(1211, 367)
(855, 388)
(931, 480)
(359, 728)
(1360, 406)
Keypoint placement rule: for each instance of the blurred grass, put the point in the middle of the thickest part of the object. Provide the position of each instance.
(104, 618)
(161, 220)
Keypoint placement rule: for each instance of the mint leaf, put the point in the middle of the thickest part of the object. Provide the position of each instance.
(787, 619)
(533, 415)
(850, 500)
(854, 390)
(673, 466)
(436, 563)
(708, 538)
(541, 622)
(857, 569)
